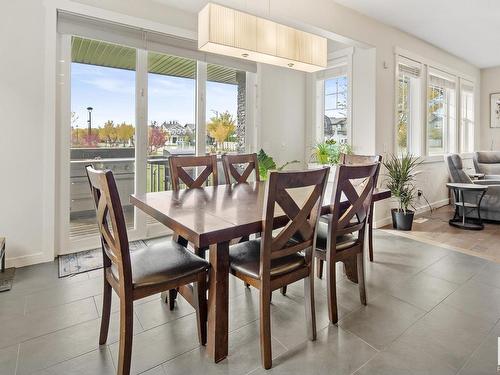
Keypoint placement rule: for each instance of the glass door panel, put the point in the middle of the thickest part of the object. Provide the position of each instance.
(335, 120)
(171, 115)
(102, 127)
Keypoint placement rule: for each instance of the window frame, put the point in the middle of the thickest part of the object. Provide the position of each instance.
(463, 82)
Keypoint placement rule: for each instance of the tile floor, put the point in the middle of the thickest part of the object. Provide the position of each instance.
(430, 311)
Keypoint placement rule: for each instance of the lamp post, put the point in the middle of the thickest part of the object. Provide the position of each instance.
(89, 121)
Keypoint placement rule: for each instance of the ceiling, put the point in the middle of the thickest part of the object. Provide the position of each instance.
(469, 29)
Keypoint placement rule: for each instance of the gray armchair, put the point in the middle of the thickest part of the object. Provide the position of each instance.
(488, 163)
(490, 205)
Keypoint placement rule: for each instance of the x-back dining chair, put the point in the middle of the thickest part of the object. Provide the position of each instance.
(233, 173)
(341, 238)
(141, 273)
(273, 261)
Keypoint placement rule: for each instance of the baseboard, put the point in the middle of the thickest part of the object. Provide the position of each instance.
(27, 260)
(420, 210)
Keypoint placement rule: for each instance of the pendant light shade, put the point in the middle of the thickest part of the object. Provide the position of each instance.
(226, 31)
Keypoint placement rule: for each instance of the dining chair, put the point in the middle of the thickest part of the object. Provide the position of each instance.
(341, 238)
(180, 168)
(240, 175)
(180, 164)
(141, 273)
(277, 259)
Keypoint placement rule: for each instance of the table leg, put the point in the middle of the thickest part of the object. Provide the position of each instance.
(370, 234)
(218, 301)
(351, 269)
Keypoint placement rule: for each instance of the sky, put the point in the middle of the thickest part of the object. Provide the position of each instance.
(111, 94)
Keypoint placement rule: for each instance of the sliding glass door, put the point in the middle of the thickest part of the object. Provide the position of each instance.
(102, 128)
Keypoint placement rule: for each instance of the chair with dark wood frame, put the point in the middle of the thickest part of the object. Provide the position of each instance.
(231, 172)
(271, 262)
(179, 175)
(144, 272)
(336, 240)
(354, 159)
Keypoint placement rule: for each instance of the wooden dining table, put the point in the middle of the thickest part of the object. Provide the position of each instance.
(212, 217)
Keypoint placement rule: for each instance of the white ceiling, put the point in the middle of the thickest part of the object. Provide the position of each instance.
(469, 29)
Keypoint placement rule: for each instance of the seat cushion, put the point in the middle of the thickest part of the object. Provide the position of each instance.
(343, 242)
(161, 263)
(245, 258)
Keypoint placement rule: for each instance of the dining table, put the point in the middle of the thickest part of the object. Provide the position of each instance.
(213, 217)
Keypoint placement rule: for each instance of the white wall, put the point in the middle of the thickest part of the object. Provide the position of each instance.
(282, 101)
(490, 83)
(27, 86)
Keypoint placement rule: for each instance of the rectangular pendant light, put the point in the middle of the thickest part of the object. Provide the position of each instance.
(226, 31)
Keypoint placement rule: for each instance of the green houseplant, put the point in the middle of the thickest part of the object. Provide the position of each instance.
(328, 152)
(267, 163)
(401, 172)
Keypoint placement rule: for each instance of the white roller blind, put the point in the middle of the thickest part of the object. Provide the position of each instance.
(98, 29)
(442, 79)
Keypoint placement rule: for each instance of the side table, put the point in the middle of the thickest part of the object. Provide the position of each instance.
(458, 192)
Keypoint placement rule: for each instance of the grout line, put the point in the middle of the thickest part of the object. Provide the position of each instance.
(17, 358)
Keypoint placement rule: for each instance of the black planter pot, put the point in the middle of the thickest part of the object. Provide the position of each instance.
(400, 220)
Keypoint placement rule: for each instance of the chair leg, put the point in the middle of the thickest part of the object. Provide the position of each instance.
(265, 327)
(246, 285)
(319, 270)
(309, 306)
(370, 236)
(200, 299)
(126, 333)
(172, 295)
(331, 285)
(283, 290)
(361, 278)
(106, 312)
(200, 252)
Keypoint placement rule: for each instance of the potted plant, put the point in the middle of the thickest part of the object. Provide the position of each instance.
(267, 163)
(401, 172)
(328, 153)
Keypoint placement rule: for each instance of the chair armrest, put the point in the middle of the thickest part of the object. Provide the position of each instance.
(487, 182)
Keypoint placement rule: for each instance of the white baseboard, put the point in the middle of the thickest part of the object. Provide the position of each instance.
(424, 208)
(27, 260)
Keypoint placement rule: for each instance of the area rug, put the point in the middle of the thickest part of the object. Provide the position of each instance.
(89, 260)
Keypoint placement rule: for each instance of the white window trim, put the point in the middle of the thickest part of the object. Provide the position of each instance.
(444, 70)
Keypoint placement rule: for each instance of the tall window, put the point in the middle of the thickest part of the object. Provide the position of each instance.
(408, 108)
(225, 109)
(333, 105)
(467, 117)
(441, 114)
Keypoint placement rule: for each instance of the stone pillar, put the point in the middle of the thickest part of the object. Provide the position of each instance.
(241, 114)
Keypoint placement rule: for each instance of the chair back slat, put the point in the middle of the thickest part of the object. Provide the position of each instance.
(178, 165)
(302, 213)
(354, 184)
(231, 173)
(110, 221)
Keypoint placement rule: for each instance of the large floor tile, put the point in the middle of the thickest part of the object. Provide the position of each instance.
(18, 329)
(404, 359)
(11, 305)
(243, 309)
(96, 362)
(155, 346)
(478, 299)
(156, 312)
(489, 275)
(484, 360)
(8, 360)
(456, 267)
(243, 355)
(448, 335)
(334, 352)
(382, 320)
(61, 294)
(45, 351)
(423, 291)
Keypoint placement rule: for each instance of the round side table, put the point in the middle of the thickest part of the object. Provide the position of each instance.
(462, 221)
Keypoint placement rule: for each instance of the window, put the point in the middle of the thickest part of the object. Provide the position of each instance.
(225, 109)
(334, 107)
(467, 116)
(408, 108)
(441, 114)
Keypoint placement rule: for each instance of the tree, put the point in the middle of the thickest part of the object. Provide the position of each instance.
(108, 133)
(125, 133)
(221, 127)
(157, 138)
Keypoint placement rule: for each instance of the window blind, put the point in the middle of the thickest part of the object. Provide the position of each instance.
(409, 67)
(126, 35)
(442, 79)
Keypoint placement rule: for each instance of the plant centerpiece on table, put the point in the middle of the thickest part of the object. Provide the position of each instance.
(400, 179)
(267, 163)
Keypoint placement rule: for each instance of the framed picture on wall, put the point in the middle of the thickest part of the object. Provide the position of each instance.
(495, 110)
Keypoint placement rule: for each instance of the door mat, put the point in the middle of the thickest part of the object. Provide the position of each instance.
(89, 260)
